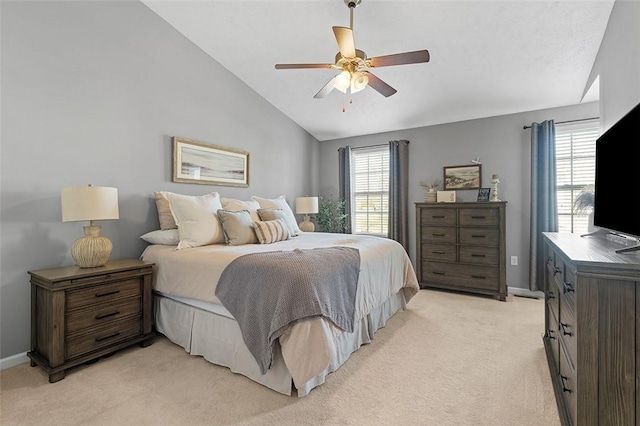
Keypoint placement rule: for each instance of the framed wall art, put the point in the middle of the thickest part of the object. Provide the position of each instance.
(483, 194)
(462, 177)
(199, 162)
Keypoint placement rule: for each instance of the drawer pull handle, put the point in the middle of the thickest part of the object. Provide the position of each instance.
(549, 259)
(478, 255)
(568, 287)
(437, 235)
(100, 339)
(437, 251)
(550, 295)
(438, 273)
(550, 334)
(480, 277)
(98, 317)
(478, 217)
(478, 236)
(564, 388)
(556, 270)
(437, 217)
(563, 327)
(108, 293)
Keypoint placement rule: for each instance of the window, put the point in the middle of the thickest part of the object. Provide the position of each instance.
(370, 190)
(575, 169)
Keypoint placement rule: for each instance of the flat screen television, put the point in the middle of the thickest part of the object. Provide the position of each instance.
(616, 205)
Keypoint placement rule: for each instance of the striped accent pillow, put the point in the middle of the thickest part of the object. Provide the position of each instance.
(271, 231)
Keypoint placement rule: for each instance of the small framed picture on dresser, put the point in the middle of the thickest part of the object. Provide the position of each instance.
(483, 194)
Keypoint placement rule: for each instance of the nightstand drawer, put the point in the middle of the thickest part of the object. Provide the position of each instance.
(103, 314)
(85, 343)
(103, 293)
(438, 234)
(480, 255)
(443, 252)
(479, 217)
(480, 236)
(438, 217)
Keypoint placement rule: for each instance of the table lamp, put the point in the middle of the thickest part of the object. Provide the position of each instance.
(90, 203)
(307, 206)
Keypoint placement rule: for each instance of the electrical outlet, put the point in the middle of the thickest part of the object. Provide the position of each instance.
(514, 260)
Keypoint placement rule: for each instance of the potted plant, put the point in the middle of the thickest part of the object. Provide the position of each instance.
(584, 204)
(430, 196)
(331, 216)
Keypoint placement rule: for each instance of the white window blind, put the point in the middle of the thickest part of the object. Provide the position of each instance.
(370, 190)
(575, 169)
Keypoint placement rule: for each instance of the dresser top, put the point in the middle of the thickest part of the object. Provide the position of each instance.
(587, 253)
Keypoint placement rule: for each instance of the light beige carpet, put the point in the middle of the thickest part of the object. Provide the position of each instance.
(448, 359)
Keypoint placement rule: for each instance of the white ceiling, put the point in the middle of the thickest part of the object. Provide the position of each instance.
(488, 57)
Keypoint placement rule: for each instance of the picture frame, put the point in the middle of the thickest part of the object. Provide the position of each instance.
(483, 194)
(467, 176)
(204, 163)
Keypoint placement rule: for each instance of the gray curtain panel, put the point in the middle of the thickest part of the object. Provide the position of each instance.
(398, 191)
(344, 182)
(544, 208)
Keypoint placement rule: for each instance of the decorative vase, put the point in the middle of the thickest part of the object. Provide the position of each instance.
(430, 196)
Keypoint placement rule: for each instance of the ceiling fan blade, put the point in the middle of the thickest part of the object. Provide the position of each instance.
(415, 57)
(325, 89)
(380, 86)
(344, 37)
(299, 66)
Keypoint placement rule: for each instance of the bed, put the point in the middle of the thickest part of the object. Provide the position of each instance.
(188, 280)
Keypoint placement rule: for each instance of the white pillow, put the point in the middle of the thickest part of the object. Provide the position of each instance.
(197, 219)
(280, 203)
(235, 205)
(165, 237)
(271, 231)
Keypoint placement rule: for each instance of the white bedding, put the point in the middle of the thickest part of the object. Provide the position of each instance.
(307, 347)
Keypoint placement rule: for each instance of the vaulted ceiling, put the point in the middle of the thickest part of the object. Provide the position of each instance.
(488, 57)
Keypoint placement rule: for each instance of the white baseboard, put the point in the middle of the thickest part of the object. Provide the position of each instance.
(523, 292)
(12, 361)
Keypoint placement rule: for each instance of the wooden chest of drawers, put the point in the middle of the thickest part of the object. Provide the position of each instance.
(461, 246)
(592, 329)
(79, 314)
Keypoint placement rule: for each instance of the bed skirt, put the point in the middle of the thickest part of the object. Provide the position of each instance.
(218, 339)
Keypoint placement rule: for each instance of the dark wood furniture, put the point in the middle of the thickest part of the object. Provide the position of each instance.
(80, 314)
(461, 246)
(592, 329)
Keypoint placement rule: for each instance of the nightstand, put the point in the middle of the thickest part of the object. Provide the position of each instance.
(80, 314)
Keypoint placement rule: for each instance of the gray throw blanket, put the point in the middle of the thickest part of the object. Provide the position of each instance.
(267, 292)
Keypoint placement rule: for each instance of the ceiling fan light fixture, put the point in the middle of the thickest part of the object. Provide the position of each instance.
(359, 81)
(343, 81)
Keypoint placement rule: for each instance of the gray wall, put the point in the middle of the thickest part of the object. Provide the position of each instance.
(504, 149)
(92, 92)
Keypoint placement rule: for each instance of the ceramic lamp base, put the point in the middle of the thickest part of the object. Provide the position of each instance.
(92, 250)
(306, 225)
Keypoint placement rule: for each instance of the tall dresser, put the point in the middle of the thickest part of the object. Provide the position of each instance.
(592, 329)
(461, 246)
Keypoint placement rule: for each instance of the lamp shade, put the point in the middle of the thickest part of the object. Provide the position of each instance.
(307, 205)
(89, 203)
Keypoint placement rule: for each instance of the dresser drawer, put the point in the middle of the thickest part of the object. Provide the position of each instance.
(568, 387)
(480, 255)
(438, 217)
(569, 289)
(438, 234)
(81, 344)
(554, 340)
(553, 300)
(479, 277)
(479, 217)
(442, 252)
(567, 329)
(103, 293)
(479, 236)
(103, 314)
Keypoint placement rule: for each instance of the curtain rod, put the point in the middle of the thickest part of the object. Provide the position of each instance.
(568, 121)
(374, 146)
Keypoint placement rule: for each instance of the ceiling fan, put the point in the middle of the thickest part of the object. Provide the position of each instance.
(354, 64)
